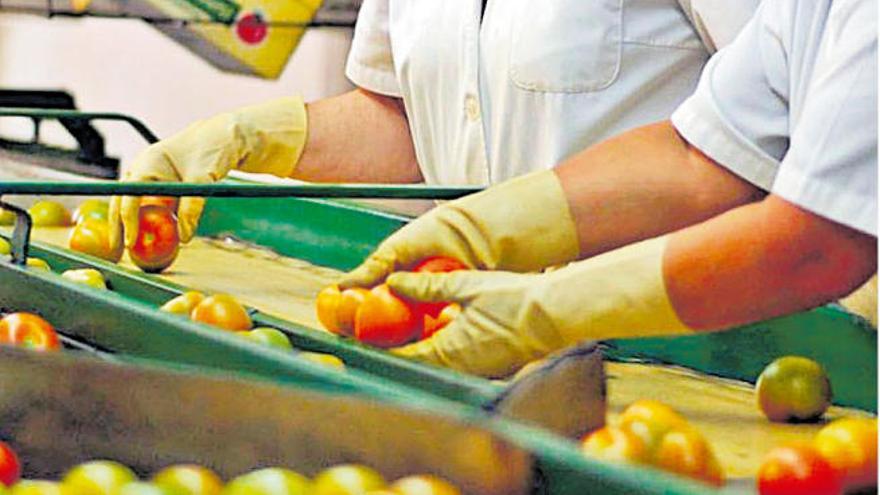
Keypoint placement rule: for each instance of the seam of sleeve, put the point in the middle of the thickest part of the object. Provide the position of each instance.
(700, 123)
(372, 79)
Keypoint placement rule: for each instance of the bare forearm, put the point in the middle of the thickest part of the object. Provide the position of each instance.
(760, 261)
(644, 183)
(358, 137)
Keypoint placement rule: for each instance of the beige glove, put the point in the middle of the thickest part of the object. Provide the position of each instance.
(510, 319)
(266, 138)
(520, 225)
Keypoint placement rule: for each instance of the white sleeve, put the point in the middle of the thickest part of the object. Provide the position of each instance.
(737, 115)
(370, 62)
(718, 22)
(831, 166)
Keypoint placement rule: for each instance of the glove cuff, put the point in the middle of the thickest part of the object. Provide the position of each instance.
(520, 225)
(627, 296)
(274, 135)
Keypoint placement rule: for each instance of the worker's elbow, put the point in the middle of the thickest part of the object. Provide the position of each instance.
(827, 259)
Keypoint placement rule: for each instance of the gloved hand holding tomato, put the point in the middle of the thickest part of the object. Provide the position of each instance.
(381, 318)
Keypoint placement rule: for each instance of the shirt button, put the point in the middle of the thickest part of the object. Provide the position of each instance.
(472, 108)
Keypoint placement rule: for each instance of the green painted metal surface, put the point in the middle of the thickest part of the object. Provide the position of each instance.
(843, 343)
(150, 292)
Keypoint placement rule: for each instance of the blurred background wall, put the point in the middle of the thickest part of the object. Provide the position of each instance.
(127, 66)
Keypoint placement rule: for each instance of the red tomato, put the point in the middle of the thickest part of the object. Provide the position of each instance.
(435, 264)
(92, 236)
(222, 311)
(28, 330)
(156, 245)
(439, 264)
(384, 320)
(10, 468)
(797, 469)
(432, 325)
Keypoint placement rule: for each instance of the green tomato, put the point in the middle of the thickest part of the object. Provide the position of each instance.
(6, 217)
(793, 388)
(50, 214)
(188, 479)
(97, 478)
(347, 479)
(5, 247)
(269, 481)
(268, 336)
(36, 487)
(86, 276)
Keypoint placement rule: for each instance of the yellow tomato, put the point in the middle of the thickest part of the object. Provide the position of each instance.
(184, 303)
(50, 214)
(850, 446)
(614, 444)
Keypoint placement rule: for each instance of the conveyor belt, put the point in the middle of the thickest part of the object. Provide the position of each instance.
(723, 410)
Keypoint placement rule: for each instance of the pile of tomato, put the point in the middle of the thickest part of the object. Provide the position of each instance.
(154, 249)
(227, 313)
(104, 477)
(381, 318)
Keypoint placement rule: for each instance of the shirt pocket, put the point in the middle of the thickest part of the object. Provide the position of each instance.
(566, 46)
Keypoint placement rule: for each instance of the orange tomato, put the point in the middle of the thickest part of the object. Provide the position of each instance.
(423, 484)
(337, 309)
(850, 446)
(433, 325)
(169, 202)
(687, 453)
(797, 469)
(157, 242)
(385, 320)
(28, 330)
(327, 307)
(92, 236)
(615, 444)
(651, 420)
(224, 311)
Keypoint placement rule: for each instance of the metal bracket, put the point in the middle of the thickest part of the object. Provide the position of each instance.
(21, 233)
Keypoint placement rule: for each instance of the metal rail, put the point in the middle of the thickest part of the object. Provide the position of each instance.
(380, 191)
(59, 113)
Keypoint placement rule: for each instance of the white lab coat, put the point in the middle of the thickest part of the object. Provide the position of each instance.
(791, 106)
(534, 82)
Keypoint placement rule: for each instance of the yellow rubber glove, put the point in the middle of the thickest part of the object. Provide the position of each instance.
(265, 138)
(520, 225)
(510, 319)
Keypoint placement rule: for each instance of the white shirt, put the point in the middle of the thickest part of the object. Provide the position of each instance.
(532, 82)
(791, 106)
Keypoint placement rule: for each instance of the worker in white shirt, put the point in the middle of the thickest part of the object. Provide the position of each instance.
(459, 92)
(757, 199)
